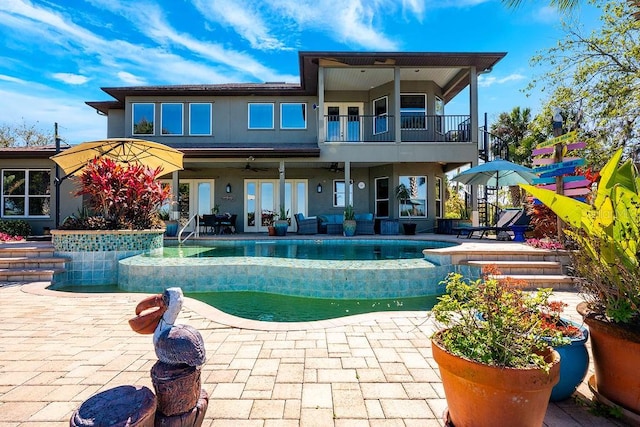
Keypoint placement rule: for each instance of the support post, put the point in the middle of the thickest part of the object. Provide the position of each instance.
(557, 158)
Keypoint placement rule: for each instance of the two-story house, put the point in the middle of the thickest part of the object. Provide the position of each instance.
(357, 125)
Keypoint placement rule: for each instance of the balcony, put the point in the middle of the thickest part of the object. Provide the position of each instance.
(381, 129)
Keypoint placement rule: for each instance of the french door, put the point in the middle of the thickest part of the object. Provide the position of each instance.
(262, 202)
(344, 121)
(195, 196)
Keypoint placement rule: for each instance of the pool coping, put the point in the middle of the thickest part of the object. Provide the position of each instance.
(218, 316)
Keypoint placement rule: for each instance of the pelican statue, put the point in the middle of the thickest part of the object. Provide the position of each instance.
(174, 344)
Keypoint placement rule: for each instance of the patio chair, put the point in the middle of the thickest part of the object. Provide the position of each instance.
(209, 224)
(365, 224)
(306, 225)
(506, 219)
(227, 224)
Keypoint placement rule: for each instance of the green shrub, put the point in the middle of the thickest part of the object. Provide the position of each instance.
(15, 227)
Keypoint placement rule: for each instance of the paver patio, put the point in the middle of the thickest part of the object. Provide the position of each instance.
(57, 349)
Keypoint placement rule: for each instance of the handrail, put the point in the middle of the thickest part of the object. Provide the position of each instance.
(196, 231)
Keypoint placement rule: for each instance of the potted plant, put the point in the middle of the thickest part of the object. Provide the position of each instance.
(403, 195)
(281, 223)
(171, 225)
(606, 233)
(268, 220)
(496, 366)
(349, 222)
(572, 350)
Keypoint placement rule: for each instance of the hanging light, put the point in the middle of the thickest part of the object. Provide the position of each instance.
(319, 188)
(228, 188)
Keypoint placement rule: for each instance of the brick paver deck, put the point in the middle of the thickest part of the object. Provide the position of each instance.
(56, 350)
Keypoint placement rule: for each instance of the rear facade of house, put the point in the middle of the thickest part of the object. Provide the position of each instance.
(355, 126)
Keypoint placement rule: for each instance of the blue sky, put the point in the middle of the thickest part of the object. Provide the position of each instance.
(56, 55)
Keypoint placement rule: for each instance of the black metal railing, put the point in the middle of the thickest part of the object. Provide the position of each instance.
(415, 128)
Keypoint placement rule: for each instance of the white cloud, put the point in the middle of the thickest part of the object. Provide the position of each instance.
(72, 79)
(244, 19)
(11, 79)
(487, 81)
(546, 15)
(130, 79)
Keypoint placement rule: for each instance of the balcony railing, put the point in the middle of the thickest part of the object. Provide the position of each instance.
(415, 128)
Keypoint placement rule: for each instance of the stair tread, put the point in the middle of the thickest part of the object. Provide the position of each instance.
(537, 277)
(514, 262)
(30, 270)
(33, 259)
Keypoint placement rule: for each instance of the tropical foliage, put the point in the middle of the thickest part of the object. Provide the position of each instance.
(594, 78)
(607, 232)
(120, 197)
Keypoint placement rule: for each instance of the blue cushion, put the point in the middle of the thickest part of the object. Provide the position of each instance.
(364, 217)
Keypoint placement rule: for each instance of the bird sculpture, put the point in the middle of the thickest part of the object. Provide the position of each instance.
(174, 344)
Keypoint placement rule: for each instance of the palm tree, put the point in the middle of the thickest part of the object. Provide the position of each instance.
(562, 5)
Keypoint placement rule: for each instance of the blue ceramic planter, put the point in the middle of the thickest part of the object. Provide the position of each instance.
(574, 362)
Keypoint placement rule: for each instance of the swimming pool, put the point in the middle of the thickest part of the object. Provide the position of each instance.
(317, 278)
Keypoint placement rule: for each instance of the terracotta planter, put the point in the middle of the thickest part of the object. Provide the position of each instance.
(616, 358)
(271, 230)
(483, 395)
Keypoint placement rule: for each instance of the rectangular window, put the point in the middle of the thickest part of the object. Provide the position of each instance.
(143, 118)
(382, 197)
(413, 109)
(416, 204)
(261, 116)
(339, 193)
(171, 119)
(200, 119)
(293, 115)
(380, 111)
(438, 197)
(26, 193)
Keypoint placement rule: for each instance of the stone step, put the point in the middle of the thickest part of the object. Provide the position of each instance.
(28, 274)
(509, 267)
(33, 262)
(27, 250)
(558, 282)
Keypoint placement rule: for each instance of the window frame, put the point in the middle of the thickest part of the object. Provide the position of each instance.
(438, 197)
(249, 105)
(162, 116)
(26, 196)
(305, 116)
(341, 194)
(415, 111)
(406, 179)
(210, 119)
(133, 118)
(384, 116)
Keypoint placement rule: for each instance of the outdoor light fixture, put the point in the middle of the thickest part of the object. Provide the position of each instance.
(319, 188)
(228, 188)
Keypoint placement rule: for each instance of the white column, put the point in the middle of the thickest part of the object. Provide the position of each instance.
(396, 105)
(321, 128)
(175, 193)
(347, 181)
(474, 123)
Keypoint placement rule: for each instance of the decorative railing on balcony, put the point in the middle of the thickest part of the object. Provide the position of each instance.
(418, 128)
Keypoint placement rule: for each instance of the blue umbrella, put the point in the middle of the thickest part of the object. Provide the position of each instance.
(496, 173)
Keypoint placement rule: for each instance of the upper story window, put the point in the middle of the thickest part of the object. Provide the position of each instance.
(261, 116)
(293, 115)
(26, 193)
(171, 119)
(143, 118)
(200, 119)
(416, 205)
(413, 109)
(339, 193)
(380, 110)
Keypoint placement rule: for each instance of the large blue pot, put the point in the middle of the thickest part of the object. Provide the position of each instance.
(574, 362)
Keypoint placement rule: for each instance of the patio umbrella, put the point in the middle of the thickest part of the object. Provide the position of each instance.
(496, 173)
(123, 151)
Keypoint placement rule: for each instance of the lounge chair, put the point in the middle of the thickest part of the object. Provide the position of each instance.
(306, 225)
(365, 223)
(507, 218)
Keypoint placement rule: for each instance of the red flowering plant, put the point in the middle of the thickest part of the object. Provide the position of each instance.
(119, 197)
(554, 324)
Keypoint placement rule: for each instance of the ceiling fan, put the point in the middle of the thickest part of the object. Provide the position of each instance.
(333, 167)
(249, 168)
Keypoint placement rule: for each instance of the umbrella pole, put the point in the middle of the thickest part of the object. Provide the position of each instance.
(57, 179)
